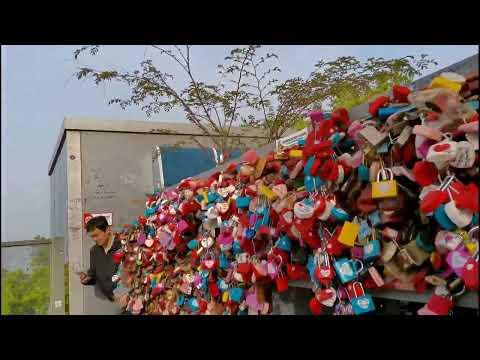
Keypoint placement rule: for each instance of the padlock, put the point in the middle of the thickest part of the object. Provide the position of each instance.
(361, 304)
(346, 270)
(385, 188)
(349, 233)
(324, 272)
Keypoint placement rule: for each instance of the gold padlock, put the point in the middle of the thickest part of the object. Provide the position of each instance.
(385, 188)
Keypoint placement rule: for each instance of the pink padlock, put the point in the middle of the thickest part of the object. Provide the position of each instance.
(356, 252)
(182, 226)
(457, 259)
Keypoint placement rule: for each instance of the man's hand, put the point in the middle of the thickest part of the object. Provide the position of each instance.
(84, 278)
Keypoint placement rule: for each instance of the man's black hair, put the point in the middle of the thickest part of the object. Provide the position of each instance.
(99, 222)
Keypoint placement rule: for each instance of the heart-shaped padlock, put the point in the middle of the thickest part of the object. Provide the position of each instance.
(326, 296)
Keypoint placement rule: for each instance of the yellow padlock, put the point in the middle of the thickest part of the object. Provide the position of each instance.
(264, 190)
(386, 187)
(441, 82)
(349, 233)
(260, 167)
(295, 154)
(225, 296)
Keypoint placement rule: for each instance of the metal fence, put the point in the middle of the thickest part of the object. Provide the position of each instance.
(26, 273)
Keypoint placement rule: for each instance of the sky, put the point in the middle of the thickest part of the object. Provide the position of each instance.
(39, 89)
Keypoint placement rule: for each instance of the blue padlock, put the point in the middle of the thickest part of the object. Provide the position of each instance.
(193, 304)
(374, 218)
(371, 251)
(242, 202)
(422, 244)
(284, 243)
(249, 234)
(236, 248)
(301, 142)
(212, 196)
(180, 300)
(308, 165)
(475, 219)
(443, 219)
(385, 112)
(222, 285)
(335, 138)
(284, 172)
(148, 212)
(223, 262)
(361, 303)
(363, 173)
(152, 232)
(346, 269)
(312, 183)
(192, 244)
(236, 294)
(311, 270)
(340, 214)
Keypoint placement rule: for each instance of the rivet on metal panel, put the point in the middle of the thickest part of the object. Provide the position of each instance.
(72, 157)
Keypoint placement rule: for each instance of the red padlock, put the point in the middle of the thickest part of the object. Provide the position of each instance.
(470, 274)
(296, 272)
(324, 272)
(118, 256)
(315, 306)
(282, 284)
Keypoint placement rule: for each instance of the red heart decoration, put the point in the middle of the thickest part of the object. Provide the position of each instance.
(400, 93)
(433, 200)
(377, 104)
(468, 199)
(441, 147)
(329, 170)
(315, 306)
(425, 173)
(341, 116)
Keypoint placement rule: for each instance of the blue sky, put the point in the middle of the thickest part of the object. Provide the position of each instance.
(39, 90)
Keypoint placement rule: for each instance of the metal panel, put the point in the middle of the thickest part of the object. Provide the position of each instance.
(145, 127)
(58, 232)
(75, 220)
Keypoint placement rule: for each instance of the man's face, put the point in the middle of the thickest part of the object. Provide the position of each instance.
(100, 237)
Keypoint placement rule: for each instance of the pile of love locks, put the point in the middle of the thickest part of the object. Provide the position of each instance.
(389, 201)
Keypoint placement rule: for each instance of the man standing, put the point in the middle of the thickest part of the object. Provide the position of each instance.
(102, 267)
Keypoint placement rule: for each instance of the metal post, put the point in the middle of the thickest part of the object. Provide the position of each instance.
(157, 169)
